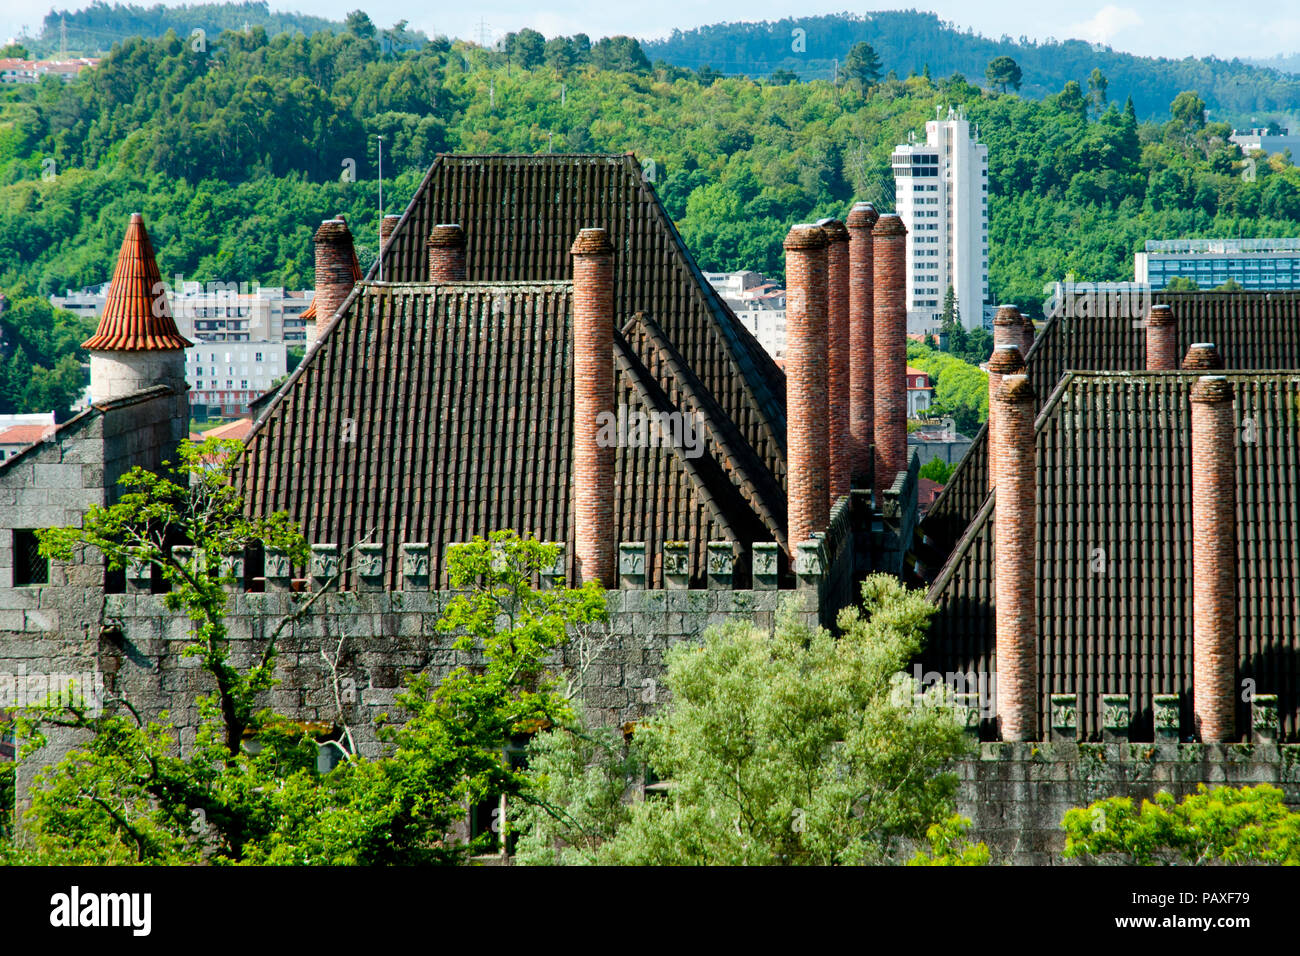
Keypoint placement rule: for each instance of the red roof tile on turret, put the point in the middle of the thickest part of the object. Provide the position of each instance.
(137, 316)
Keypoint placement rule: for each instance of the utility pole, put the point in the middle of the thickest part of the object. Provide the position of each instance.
(381, 206)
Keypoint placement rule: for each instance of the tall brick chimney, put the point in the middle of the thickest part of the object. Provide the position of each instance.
(1005, 361)
(446, 245)
(336, 270)
(890, 345)
(593, 394)
(1026, 334)
(806, 374)
(837, 354)
(862, 414)
(1214, 560)
(1203, 357)
(386, 227)
(1162, 347)
(1012, 465)
(1007, 327)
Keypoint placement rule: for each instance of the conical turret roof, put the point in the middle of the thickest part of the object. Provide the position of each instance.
(137, 317)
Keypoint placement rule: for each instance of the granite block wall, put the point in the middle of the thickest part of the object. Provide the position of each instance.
(1017, 793)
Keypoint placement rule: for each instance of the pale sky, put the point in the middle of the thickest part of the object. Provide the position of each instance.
(1146, 27)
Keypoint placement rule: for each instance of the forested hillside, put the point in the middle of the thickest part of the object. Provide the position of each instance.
(235, 152)
(99, 26)
(910, 41)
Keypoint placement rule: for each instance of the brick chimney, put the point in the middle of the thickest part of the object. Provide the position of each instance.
(1162, 347)
(446, 245)
(1007, 327)
(386, 227)
(336, 269)
(837, 354)
(862, 414)
(1012, 466)
(593, 394)
(1026, 334)
(1214, 560)
(1005, 361)
(1203, 357)
(890, 346)
(806, 373)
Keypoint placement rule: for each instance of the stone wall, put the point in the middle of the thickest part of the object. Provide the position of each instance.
(53, 483)
(1016, 794)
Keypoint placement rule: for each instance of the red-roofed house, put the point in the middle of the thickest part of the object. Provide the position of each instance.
(18, 437)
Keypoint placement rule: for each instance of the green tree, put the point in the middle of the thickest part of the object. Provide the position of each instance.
(1223, 825)
(936, 469)
(130, 794)
(861, 66)
(560, 55)
(1001, 72)
(791, 748)
(1188, 110)
(951, 314)
(1181, 284)
(1097, 84)
(949, 846)
(359, 24)
(1070, 100)
(527, 48)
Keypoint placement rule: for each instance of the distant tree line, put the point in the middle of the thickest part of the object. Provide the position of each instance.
(234, 152)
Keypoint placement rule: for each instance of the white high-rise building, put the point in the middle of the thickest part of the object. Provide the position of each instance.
(942, 189)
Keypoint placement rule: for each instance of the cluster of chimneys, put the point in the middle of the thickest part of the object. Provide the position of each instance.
(846, 362)
(846, 409)
(846, 368)
(1011, 450)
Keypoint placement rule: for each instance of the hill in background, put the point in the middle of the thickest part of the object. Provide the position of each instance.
(910, 41)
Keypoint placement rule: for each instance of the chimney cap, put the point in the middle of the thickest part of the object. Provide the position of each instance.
(1006, 360)
(863, 215)
(805, 235)
(1202, 356)
(592, 242)
(834, 229)
(1015, 390)
(890, 225)
(1160, 315)
(1007, 315)
(1211, 390)
(333, 230)
(446, 234)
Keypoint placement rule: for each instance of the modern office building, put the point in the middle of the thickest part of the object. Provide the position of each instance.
(225, 376)
(216, 311)
(1256, 264)
(942, 189)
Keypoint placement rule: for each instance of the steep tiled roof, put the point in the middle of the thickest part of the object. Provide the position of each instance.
(434, 413)
(137, 316)
(1253, 330)
(1115, 539)
(520, 215)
